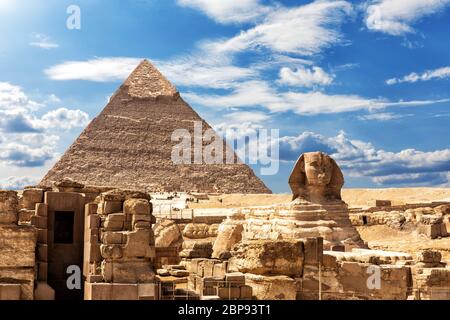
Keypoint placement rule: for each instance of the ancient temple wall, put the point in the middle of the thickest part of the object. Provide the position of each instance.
(17, 251)
(119, 248)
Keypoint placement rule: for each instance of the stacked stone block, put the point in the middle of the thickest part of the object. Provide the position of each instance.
(120, 247)
(17, 251)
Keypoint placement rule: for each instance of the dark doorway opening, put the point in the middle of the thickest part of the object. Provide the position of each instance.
(64, 225)
(364, 220)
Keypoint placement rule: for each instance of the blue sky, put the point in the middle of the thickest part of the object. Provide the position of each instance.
(366, 81)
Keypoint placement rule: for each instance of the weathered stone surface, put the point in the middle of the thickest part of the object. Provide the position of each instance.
(196, 249)
(429, 256)
(229, 233)
(30, 197)
(281, 287)
(9, 291)
(137, 207)
(167, 233)
(138, 271)
(17, 246)
(268, 257)
(197, 231)
(9, 206)
(316, 178)
(129, 145)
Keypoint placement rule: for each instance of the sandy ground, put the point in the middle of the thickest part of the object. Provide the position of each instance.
(354, 197)
(384, 238)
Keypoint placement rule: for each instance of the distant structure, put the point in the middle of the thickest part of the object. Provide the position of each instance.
(129, 145)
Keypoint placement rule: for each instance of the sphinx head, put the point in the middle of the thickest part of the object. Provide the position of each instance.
(316, 177)
(318, 168)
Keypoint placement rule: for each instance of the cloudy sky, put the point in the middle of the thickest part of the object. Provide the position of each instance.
(365, 81)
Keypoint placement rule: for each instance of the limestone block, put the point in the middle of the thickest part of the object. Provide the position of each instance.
(30, 197)
(110, 237)
(229, 233)
(432, 231)
(281, 287)
(142, 225)
(113, 225)
(39, 222)
(17, 246)
(9, 204)
(280, 257)
(137, 206)
(108, 207)
(138, 244)
(91, 208)
(246, 292)
(25, 216)
(43, 291)
(431, 219)
(147, 291)
(230, 293)
(179, 273)
(41, 209)
(167, 233)
(196, 231)
(23, 276)
(163, 272)
(9, 291)
(313, 248)
(429, 256)
(235, 279)
(111, 291)
(9, 217)
(111, 251)
(94, 278)
(219, 269)
(139, 271)
(93, 221)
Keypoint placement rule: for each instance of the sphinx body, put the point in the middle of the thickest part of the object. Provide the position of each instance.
(317, 210)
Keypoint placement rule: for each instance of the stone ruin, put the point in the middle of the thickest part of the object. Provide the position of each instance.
(304, 249)
(307, 248)
(315, 211)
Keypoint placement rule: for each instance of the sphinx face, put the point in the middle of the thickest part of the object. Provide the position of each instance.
(318, 169)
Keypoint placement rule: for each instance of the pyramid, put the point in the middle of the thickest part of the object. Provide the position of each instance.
(128, 145)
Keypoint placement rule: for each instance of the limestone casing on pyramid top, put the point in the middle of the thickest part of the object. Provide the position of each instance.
(147, 82)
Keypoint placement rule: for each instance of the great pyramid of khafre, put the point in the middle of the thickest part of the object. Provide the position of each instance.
(128, 145)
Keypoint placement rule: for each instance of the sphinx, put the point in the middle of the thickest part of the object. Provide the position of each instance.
(316, 178)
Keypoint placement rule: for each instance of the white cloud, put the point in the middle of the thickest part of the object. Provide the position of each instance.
(42, 41)
(226, 11)
(14, 100)
(396, 17)
(247, 116)
(99, 69)
(382, 116)
(304, 30)
(64, 118)
(362, 159)
(17, 183)
(259, 93)
(27, 140)
(305, 77)
(203, 70)
(440, 73)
